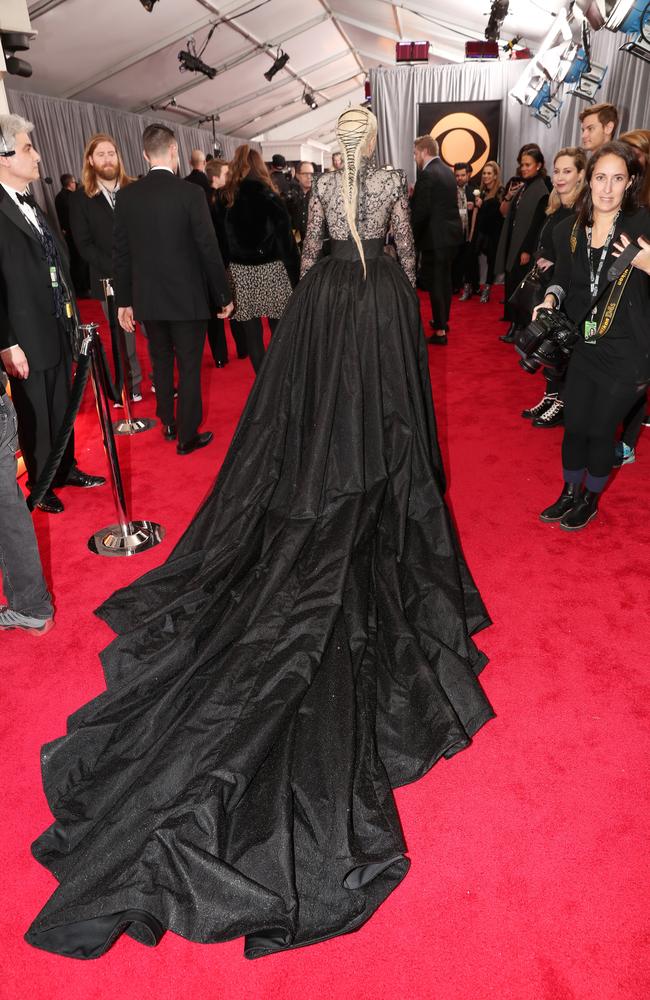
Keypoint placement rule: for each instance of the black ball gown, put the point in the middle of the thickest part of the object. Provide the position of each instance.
(305, 648)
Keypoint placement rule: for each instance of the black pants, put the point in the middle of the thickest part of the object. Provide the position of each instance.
(634, 421)
(465, 270)
(182, 341)
(592, 413)
(512, 279)
(253, 333)
(436, 277)
(217, 339)
(41, 400)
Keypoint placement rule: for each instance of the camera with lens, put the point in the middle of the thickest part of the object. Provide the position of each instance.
(546, 342)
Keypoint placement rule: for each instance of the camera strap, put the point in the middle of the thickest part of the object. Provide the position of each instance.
(592, 330)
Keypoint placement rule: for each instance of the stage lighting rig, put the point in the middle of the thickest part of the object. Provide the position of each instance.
(630, 17)
(148, 4)
(498, 14)
(191, 62)
(12, 42)
(281, 60)
(310, 100)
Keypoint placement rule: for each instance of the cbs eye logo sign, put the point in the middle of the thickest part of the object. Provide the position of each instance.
(467, 132)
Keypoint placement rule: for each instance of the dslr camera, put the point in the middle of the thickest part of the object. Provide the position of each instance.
(546, 342)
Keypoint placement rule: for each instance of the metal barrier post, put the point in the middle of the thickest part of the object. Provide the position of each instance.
(129, 425)
(127, 537)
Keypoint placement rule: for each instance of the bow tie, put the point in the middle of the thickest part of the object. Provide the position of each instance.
(26, 199)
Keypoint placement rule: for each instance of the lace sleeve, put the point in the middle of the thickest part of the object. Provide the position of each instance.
(400, 224)
(313, 242)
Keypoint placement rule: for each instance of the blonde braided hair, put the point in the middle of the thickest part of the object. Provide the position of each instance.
(356, 129)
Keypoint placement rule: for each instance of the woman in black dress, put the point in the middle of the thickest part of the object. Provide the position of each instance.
(307, 646)
(609, 369)
(488, 222)
(569, 168)
(526, 207)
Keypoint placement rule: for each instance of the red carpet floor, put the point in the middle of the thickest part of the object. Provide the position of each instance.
(530, 861)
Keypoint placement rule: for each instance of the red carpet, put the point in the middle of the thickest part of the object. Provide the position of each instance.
(530, 859)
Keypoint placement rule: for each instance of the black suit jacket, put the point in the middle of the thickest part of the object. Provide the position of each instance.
(26, 305)
(202, 180)
(91, 224)
(434, 208)
(166, 259)
(62, 206)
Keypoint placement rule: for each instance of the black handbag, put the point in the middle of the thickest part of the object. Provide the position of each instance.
(528, 294)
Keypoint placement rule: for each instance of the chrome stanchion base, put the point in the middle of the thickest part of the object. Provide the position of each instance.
(138, 537)
(136, 425)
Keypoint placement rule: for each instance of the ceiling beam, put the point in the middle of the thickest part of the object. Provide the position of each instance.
(43, 7)
(258, 47)
(297, 100)
(353, 49)
(398, 20)
(372, 29)
(307, 132)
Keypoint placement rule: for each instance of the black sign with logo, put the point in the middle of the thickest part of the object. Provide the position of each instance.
(467, 131)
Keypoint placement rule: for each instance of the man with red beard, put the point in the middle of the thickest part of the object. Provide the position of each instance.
(91, 220)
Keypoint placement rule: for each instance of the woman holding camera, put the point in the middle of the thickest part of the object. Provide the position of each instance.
(569, 168)
(610, 365)
(526, 204)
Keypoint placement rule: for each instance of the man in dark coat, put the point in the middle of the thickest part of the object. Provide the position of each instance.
(169, 273)
(437, 230)
(35, 309)
(78, 266)
(197, 175)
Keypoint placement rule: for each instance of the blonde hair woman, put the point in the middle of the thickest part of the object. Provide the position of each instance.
(305, 648)
(488, 221)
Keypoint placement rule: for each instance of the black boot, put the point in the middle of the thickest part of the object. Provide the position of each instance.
(582, 513)
(544, 404)
(509, 337)
(567, 500)
(551, 417)
(467, 293)
(485, 294)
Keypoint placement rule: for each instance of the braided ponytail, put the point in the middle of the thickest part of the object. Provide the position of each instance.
(356, 130)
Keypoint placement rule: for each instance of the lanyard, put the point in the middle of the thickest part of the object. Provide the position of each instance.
(594, 279)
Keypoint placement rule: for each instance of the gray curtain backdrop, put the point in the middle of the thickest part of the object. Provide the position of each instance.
(62, 128)
(397, 92)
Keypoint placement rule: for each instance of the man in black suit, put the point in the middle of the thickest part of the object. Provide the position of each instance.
(78, 266)
(169, 274)
(197, 175)
(35, 306)
(437, 230)
(92, 211)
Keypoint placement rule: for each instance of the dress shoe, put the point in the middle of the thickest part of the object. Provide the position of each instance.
(434, 327)
(566, 501)
(25, 623)
(552, 417)
(535, 411)
(509, 337)
(582, 512)
(436, 339)
(169, 432)
(51, 504)
(78, 478)
(198, 441)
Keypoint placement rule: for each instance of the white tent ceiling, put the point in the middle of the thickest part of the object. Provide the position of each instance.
(114, 52)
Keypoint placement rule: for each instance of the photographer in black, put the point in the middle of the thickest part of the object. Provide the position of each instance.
(610, 365)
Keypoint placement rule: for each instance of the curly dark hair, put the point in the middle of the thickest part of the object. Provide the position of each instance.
(631, 198)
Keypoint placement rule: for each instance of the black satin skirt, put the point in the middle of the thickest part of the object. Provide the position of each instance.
(305, 649)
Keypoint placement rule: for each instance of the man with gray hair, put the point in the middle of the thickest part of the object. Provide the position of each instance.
(36, 309)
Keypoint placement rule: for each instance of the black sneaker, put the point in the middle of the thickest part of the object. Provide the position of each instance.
(539, 408)
(551, 417)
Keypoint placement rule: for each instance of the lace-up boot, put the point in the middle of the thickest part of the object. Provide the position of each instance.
(566, 501)
(535, 411)
(551, 417)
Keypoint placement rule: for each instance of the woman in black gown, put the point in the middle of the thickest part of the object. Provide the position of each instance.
(305, 648)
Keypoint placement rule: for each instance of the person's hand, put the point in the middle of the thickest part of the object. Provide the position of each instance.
(548, 303)
(478, 202)
(125, 318)
(227, 311)
(15, 363)
(543, 264)
(524, 258)
(642, 259)
(470, 206)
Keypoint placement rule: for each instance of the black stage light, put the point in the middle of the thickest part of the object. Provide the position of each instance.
(281, 60)
(12, 42)
(310, 100)
(148, 4)
(498, 14)
(190, 62)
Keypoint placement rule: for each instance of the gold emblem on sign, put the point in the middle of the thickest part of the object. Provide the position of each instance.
(463, 138)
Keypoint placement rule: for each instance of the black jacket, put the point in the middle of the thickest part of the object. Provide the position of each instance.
(166, 259)
(257, 229)
(434, 208)
(91, 223)
(27, 315)
(201, 180)
(62, 206)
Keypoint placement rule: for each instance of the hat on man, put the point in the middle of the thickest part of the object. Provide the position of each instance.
(278, 161)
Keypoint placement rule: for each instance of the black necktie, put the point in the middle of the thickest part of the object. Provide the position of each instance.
(26, 199)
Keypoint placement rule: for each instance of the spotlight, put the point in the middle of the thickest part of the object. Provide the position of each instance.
(631, 17)
(192, 63)
(310, 100)
(148, 4)
(12, 42)
(281, 60)
(498, 14)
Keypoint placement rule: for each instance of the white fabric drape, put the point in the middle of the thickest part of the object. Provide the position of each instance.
(397, 92)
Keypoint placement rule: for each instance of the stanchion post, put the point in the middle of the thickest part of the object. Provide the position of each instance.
(129, 425)
(127, 537)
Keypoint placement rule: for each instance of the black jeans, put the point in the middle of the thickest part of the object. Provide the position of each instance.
(592, 413)
(20, 563)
